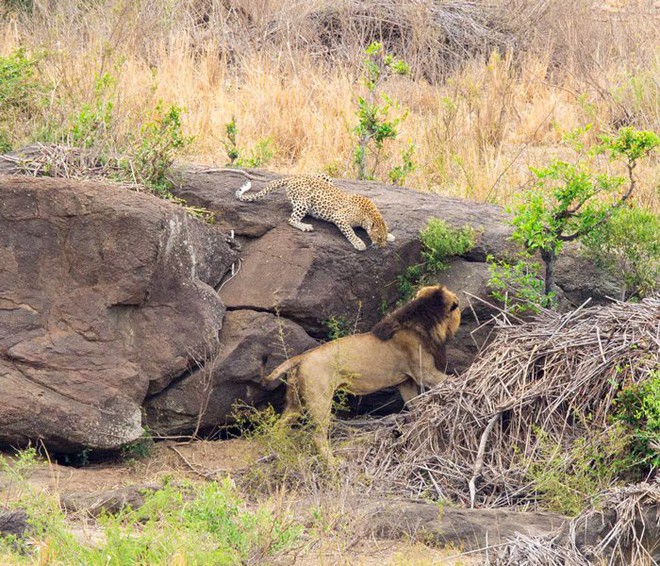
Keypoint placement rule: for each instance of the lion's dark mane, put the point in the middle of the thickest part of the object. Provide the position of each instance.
(422, 316)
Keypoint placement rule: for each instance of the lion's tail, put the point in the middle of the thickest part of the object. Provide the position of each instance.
(271, 380)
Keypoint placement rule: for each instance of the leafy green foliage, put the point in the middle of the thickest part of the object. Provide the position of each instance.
(568, 201)
(138, 449)
(398, 173)
(91, 124)
(338, 327)
(638, 407)
(21, 93)
(188, 524)
(629, 245)
(149, 160)
(374, 125)
(439, 242)
(231, 130)
(260, 154)
(519, 286)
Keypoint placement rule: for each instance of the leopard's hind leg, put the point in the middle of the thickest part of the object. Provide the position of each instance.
(298, 213)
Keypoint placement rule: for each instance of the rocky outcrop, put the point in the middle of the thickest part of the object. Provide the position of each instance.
(311, 276)
(113, 303)
(103, 295)
(250, 342)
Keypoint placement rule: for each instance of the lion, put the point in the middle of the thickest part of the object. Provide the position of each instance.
(406, 349)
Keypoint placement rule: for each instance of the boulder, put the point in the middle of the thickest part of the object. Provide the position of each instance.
(104, 293)
(110, 318)
(250, 342)
(469, 529)
(310, 277)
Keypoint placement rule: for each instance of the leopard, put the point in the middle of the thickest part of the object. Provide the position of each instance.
(317, 196)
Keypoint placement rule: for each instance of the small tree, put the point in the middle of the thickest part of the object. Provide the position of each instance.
(374, 126)
(569, 201)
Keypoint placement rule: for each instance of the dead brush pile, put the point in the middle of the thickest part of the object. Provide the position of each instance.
(474, 438)
(623, 528)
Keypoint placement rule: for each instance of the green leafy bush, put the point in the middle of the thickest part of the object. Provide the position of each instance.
(567, 478)
(338, 327)
(439, 242)
(568, 201)
(374, 124)
(149, 159)
(398, 173)
(184, 524)
(638, 407)
(21, 94)
(629, 245)
(519, 286)
(260, 155)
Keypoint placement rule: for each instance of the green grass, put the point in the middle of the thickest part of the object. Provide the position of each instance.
(188, 524)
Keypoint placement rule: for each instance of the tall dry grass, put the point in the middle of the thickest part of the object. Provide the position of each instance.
(493, 88)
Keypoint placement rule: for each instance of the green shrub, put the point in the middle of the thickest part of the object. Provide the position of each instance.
(398, 173)
(439, 242)
(568, 477)
(569, 201)
(150, 157)
(519, 286)
(629, 246)
(374, 125)
(260, 155)
(21, 95)
(638, 407)
(187, 524)
(338, 327)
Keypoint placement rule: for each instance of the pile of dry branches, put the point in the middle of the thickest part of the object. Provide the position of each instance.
(473, 438)
(64, 161)
(622, 529)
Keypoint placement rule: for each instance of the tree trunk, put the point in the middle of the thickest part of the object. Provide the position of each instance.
(549, 257)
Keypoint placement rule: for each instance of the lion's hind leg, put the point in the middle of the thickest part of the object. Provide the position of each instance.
(317, 400)
(293, 407)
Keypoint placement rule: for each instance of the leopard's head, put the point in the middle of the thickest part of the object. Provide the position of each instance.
(379, 234)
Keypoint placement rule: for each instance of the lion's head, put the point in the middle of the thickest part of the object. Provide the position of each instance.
(433, 315)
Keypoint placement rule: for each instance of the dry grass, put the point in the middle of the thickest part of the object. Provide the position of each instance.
(477, 438)
(289, 72)
(625, 520)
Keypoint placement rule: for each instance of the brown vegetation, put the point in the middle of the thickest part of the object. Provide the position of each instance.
(493, 85)
(534, 410)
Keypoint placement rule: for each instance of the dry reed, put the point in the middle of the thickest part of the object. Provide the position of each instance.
(623, 529)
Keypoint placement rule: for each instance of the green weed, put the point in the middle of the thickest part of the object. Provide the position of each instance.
(519, 286)
(638, 407)
(629, 246)
(439, 243)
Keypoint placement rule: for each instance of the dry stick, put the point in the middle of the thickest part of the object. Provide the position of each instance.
(247, 175)
(480, 457)
(206, 475)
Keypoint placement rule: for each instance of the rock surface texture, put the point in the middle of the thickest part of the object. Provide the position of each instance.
(118, 310)
(103, 295)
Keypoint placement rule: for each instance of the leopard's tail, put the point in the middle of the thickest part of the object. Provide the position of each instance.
(271, 381)
(269, 188)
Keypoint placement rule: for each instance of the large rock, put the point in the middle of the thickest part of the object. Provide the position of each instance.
(469, 529)
(104, 294)
(310, 277)
(250, 342)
